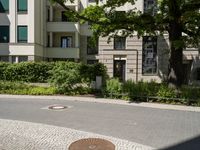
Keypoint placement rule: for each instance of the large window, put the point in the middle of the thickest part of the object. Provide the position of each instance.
(120, 43)
(4, 6)
(92, 47)
(149, 55)
(4, 34)
(22, 6)
(22, 35)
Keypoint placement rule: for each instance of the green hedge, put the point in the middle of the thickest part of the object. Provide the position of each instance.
(71, 77)
(26, 71)
(39, 72)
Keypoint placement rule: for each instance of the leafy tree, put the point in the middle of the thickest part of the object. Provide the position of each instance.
(179, 18)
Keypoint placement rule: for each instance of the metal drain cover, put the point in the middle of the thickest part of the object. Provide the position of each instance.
(92, 144)
(57, 107)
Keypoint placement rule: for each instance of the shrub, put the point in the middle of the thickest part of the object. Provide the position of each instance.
(113, 87)
(166, 92)
(25, 71)
(89, 72)
(3, 67)
(66, 77)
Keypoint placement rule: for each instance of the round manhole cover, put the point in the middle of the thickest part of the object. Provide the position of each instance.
(57, 107)
(92, 144)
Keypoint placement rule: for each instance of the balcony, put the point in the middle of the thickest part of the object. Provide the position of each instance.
(62, 27)
(190, 54)
(58, 52)
(75, 3)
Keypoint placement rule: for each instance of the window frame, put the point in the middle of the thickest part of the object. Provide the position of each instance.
(145, 57)
(18, 39)
(121, 47)
(23, 11)
(7, 10)
(92, 50)
(8, 40)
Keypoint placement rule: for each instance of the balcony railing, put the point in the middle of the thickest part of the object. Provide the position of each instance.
(62, 27)
(58, 52)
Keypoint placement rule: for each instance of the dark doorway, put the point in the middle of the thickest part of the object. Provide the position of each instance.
(120, 69)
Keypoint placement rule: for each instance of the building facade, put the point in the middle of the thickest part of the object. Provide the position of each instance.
(39, 31)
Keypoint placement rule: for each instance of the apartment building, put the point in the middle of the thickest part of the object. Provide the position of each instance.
(35, 30)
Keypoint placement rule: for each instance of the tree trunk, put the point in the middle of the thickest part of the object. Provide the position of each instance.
(175, 77)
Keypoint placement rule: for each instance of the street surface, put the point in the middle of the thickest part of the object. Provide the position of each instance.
(153, 127)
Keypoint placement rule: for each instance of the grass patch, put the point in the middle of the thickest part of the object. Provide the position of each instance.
(20, 88)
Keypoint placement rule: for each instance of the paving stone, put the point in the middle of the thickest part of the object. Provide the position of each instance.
(18, 135)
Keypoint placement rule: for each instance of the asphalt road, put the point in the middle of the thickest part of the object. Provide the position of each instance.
(162, 129)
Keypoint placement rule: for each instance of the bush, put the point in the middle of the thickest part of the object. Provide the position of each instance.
(113, 88)
(140, 90)
(89, 72)
(65, 76)
(3, 67)
(25, 71)
(74, 78)
(166, 92)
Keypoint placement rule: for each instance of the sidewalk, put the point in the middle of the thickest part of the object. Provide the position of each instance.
(108, 101)
(18, 135)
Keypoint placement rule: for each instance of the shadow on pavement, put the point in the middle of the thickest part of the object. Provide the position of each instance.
(191, 144)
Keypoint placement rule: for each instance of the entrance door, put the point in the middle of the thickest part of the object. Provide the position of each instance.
(120, 69)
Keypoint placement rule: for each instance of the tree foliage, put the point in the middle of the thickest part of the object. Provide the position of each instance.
(179, 18)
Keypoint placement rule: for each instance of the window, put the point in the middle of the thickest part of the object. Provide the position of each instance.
(120, 43)
(4, 34)
(90, 62)
(149, 6)
(64, 17)
(197, 74)
(22, 34)
(4, 58)
(22, 6)
(92, 47)
(22, 58)
(48, 14)
(4, 6)
(66, 41)
(149, 55)
(14, 59)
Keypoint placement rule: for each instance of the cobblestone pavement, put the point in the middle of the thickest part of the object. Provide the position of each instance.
(18, 135)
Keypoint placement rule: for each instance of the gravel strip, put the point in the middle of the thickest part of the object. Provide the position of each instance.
(18, 135)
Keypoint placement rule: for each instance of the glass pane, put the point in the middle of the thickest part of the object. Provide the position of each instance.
(4, 34)
(149, 55)
(4, 58)
(4, 5)
(22, 34)
(22, 5)
(119, 43)
(22, 58)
